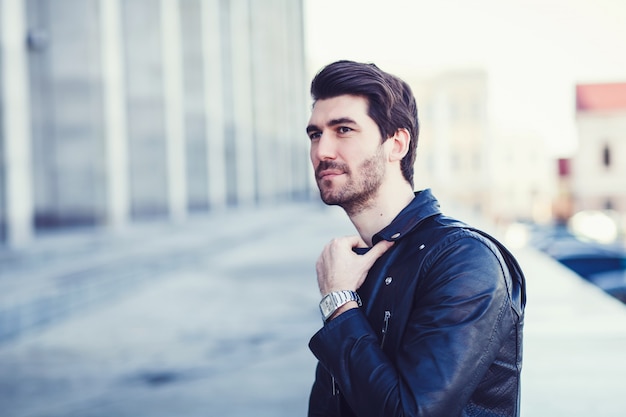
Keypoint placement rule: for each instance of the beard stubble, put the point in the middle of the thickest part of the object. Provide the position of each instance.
(358, 193)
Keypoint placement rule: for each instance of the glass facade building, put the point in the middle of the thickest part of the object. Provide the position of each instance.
(115, 111)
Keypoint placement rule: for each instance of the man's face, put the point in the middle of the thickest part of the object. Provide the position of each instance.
(346, 151)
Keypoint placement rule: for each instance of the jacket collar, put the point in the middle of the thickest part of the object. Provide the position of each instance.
(423, 205)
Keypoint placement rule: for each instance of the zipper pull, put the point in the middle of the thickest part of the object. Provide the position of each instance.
(385, 327)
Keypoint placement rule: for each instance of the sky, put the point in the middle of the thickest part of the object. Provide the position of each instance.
(534, 51)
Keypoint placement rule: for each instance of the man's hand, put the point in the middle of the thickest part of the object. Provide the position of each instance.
(339, 268)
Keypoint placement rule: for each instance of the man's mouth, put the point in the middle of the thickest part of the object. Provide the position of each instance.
(329, 173)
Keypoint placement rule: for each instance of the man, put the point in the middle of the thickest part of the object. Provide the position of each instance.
(423, 314)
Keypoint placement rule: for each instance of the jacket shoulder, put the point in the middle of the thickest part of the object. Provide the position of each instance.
(443, 232)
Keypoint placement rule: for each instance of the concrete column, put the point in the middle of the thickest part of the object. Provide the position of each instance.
(214, 105)
(174, 109)
(242, 91)
(263, 67)
(284, 107)
(116, 134)
(298, 144)
(16, 134)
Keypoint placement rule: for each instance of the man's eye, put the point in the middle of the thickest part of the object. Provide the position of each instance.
(344, 129)
(314, 135)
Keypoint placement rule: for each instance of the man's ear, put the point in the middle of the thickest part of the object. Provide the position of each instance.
(401, 141)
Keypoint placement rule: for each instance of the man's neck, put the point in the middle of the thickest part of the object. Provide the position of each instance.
(386, 205)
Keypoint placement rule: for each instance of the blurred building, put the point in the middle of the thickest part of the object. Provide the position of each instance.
(115, 111)
(504, 176)
(598, 172)
(522, 178)
(563, 206)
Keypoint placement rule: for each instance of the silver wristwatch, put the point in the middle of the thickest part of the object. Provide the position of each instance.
(333, 300)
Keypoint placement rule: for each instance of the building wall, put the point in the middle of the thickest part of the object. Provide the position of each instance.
(599, 165)
(504, 176)
(454, 130)
(67, 128)
(523, 178)
(2, 151)
(142, 108)
(16, 177)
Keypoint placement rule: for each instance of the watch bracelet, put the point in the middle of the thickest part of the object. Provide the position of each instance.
(339, 298)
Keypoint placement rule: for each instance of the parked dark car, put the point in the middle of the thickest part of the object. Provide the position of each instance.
(602, 264)
(613, 282)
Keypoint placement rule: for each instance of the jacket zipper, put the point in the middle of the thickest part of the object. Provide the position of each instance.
(385, 328)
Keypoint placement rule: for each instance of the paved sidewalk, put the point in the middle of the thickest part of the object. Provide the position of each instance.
(574, 344)
(212, 318)
(64, 274)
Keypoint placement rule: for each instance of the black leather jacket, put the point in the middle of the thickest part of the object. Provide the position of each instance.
(439, 332)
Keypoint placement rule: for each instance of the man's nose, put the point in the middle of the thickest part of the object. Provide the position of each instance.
(325, 148)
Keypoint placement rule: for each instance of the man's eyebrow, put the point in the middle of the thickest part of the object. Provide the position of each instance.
(341, 121)
(333, 122)
(312, 128)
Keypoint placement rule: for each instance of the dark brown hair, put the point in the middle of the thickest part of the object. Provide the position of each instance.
(391, 103)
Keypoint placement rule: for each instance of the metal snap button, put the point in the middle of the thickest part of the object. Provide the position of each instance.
(388, 280)
(395, 236)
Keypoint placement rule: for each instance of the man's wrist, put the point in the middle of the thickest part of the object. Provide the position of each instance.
(347, 306)
(336, 302)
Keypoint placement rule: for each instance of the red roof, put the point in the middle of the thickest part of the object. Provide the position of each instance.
(607, 96)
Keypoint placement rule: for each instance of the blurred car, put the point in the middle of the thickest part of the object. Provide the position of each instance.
(612, 282)
(588, 259)
(602, 264)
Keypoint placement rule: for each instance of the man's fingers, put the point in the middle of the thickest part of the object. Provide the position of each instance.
(354, 241)
(378, 249)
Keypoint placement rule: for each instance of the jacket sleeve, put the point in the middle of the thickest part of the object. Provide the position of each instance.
(454, 332)
(323, 402)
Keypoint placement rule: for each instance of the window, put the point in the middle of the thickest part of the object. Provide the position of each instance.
(606, 156)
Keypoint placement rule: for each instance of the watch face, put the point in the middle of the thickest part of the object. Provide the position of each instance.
(327, 305)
